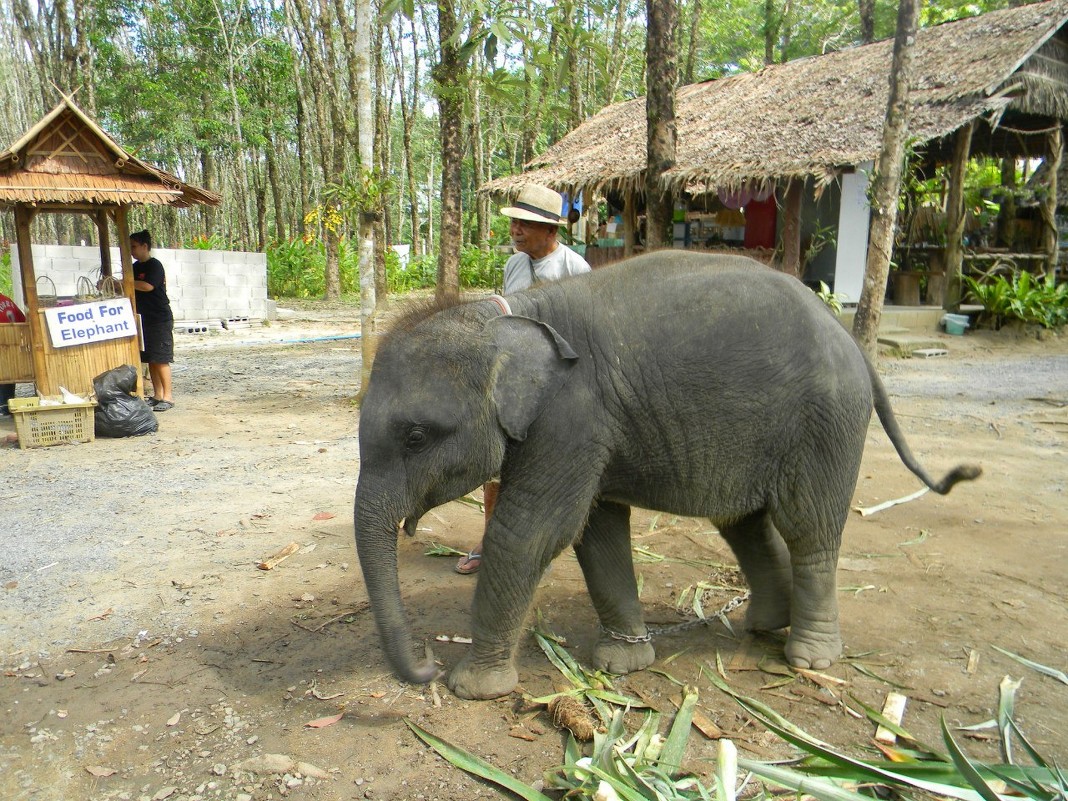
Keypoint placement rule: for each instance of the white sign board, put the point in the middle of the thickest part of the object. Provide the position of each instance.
(97, 321)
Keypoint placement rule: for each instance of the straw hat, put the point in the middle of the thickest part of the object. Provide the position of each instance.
(537, 204)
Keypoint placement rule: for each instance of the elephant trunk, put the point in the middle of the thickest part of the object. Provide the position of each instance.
(376, 544)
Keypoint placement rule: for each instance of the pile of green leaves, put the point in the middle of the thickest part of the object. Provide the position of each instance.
(1021, 296)
(643, 766)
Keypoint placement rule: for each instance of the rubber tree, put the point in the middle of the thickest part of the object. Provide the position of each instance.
(886, 185)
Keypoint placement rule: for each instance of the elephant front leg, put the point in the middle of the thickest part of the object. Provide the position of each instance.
(604, 556)
(514, 557)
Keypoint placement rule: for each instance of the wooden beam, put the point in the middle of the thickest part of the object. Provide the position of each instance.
(105, 244)
(630, 222)
(24, 245)
(122, 231)
(955, 218)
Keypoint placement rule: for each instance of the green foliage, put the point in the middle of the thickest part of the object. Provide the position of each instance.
(5, 273)
(1021, 296)
(420, 273)
(367, 194)
(832, 299)
(481, 269)
(206, 242)
(296, 269)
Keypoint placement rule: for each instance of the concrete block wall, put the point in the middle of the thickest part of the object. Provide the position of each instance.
(202, 284)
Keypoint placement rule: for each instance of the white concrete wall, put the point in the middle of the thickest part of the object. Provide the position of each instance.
(202, 284)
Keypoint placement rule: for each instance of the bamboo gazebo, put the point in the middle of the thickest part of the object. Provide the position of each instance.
(67, 164)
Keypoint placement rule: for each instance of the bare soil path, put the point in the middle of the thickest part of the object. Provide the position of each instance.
(144, 655)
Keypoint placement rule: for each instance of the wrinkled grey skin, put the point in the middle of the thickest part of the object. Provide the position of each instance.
(694, 385)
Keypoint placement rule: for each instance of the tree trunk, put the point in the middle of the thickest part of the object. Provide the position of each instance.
(381, 148)
(615, 61)
(407, 126)
(1048, 207)
(771, 31)
(791, 227)
(661, 75)
(691, 50)
(887, 184)
(208, 213)
(276, 191)
(1006, 225)
(448, 80)
(361, 55)
(478, 158)
(866, 8)
(955, 217)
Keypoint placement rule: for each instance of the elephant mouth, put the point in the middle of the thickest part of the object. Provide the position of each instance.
(408, 524)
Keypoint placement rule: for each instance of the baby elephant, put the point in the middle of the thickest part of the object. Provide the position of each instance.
(690, 384)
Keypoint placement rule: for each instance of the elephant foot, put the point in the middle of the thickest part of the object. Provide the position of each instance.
(765, 615)
(813, 651)
(473, 683)
(619, 657)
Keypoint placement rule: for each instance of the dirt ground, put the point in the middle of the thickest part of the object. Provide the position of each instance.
(144, 655)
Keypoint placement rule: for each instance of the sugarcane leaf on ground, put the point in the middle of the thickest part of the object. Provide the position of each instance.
(877, 717)
(1053, 673)
(966, 768)
(470, 763)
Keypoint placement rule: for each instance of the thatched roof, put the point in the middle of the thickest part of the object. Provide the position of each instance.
(67, 159)
(821, 115)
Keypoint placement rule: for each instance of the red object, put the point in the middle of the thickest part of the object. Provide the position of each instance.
(10, 312)
(760, 218)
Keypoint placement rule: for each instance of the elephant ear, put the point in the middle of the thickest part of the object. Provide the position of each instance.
(533, 362)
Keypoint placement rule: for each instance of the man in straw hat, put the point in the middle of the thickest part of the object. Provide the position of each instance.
(539, 257)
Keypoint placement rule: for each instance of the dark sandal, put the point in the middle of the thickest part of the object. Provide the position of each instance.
(469, 564)
(162, 406)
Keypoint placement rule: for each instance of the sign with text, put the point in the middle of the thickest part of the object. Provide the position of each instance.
(90, 322)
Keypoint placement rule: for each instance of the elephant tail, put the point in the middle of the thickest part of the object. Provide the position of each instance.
(962, 472)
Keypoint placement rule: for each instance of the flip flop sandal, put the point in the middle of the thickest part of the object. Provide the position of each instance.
(162, 406)
(469, 564)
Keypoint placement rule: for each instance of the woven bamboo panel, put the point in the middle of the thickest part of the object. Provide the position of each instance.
(76, 366)
(16, 354)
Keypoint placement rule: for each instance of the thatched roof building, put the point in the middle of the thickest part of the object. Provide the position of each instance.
(67, 159)
(820, 116)
(67, 164)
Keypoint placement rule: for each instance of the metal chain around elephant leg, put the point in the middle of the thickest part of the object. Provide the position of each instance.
(659, 631)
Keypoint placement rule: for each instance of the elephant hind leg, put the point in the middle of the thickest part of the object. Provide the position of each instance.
(765, 560)
(604, 555)
(815, 640)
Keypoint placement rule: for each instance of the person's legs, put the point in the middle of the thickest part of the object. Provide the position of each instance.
(473, 561)
(7, 392)
(159, 353)
(161, 381)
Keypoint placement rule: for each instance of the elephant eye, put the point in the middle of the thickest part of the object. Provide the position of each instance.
(416, 438)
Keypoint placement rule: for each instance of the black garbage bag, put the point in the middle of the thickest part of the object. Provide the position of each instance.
(117, 381)
(118, 413)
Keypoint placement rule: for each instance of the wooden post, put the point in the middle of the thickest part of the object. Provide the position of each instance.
(955, 219)
(101, 218)
(23, 216)
(791, 228)
(1050, 235)
(122, 231)
(630, 222)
